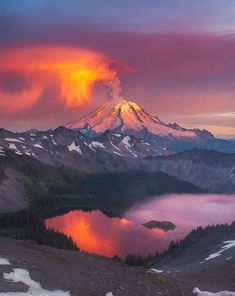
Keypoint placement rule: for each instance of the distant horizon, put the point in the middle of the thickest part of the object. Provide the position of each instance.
(228, 137)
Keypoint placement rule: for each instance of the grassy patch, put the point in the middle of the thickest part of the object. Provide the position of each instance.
(160, 279)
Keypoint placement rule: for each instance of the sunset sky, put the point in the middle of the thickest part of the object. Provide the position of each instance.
(61, 58)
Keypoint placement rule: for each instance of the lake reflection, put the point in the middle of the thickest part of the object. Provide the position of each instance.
(96, 233)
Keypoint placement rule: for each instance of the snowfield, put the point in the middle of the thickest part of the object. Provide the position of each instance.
(123, 115)
(19, 275)
(205, 293)
(13, 140)
(38, 146)
(126, 141)
(97, 144)
(2, 153)
(4, 261)
(73, 147)
(154, 270)
(13, 147)
(228, 245)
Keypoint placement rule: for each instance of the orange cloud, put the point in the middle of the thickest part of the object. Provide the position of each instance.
(73, 72)
(15, 102)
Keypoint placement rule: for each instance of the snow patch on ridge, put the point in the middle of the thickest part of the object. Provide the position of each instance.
(114, 146)
(35, 289)
(38, 146)
(126, 141)
(115, 152)
(205, 293)
(73, 147)
(4, 261)
(13, 140)
(97, 144)
(228, 245)
(2, 153)
(13, 147)
(154, 270)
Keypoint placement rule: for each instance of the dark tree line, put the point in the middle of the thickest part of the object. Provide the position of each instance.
(196, 235)
(140, 260)
(29, 224)
(175, 247)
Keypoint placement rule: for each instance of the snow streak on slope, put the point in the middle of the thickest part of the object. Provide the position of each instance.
(2, 153)
(73, 147)
(124, 116)
(205, 293)
(228, 245)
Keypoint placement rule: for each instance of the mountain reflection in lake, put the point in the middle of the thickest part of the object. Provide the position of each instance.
(97, 233)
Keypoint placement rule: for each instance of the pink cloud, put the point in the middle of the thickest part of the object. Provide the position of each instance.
(171, 74)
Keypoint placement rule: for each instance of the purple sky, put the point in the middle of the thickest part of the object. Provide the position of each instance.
(175, 58)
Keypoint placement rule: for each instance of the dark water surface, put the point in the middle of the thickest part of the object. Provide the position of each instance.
(97, 233)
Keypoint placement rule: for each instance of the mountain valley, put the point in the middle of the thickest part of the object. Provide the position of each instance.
(115, 158)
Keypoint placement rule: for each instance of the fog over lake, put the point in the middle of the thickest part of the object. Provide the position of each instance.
(97, 233)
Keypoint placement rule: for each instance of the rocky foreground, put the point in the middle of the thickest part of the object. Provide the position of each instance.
(34, 269)
(80, 273)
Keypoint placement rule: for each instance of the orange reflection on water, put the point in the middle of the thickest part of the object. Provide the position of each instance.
(81, 228)
(96, 233)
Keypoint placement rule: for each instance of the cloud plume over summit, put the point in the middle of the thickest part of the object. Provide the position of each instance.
(27, 72)
(178, 61)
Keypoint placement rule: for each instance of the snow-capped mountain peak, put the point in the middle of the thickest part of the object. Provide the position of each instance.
(127, 116)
